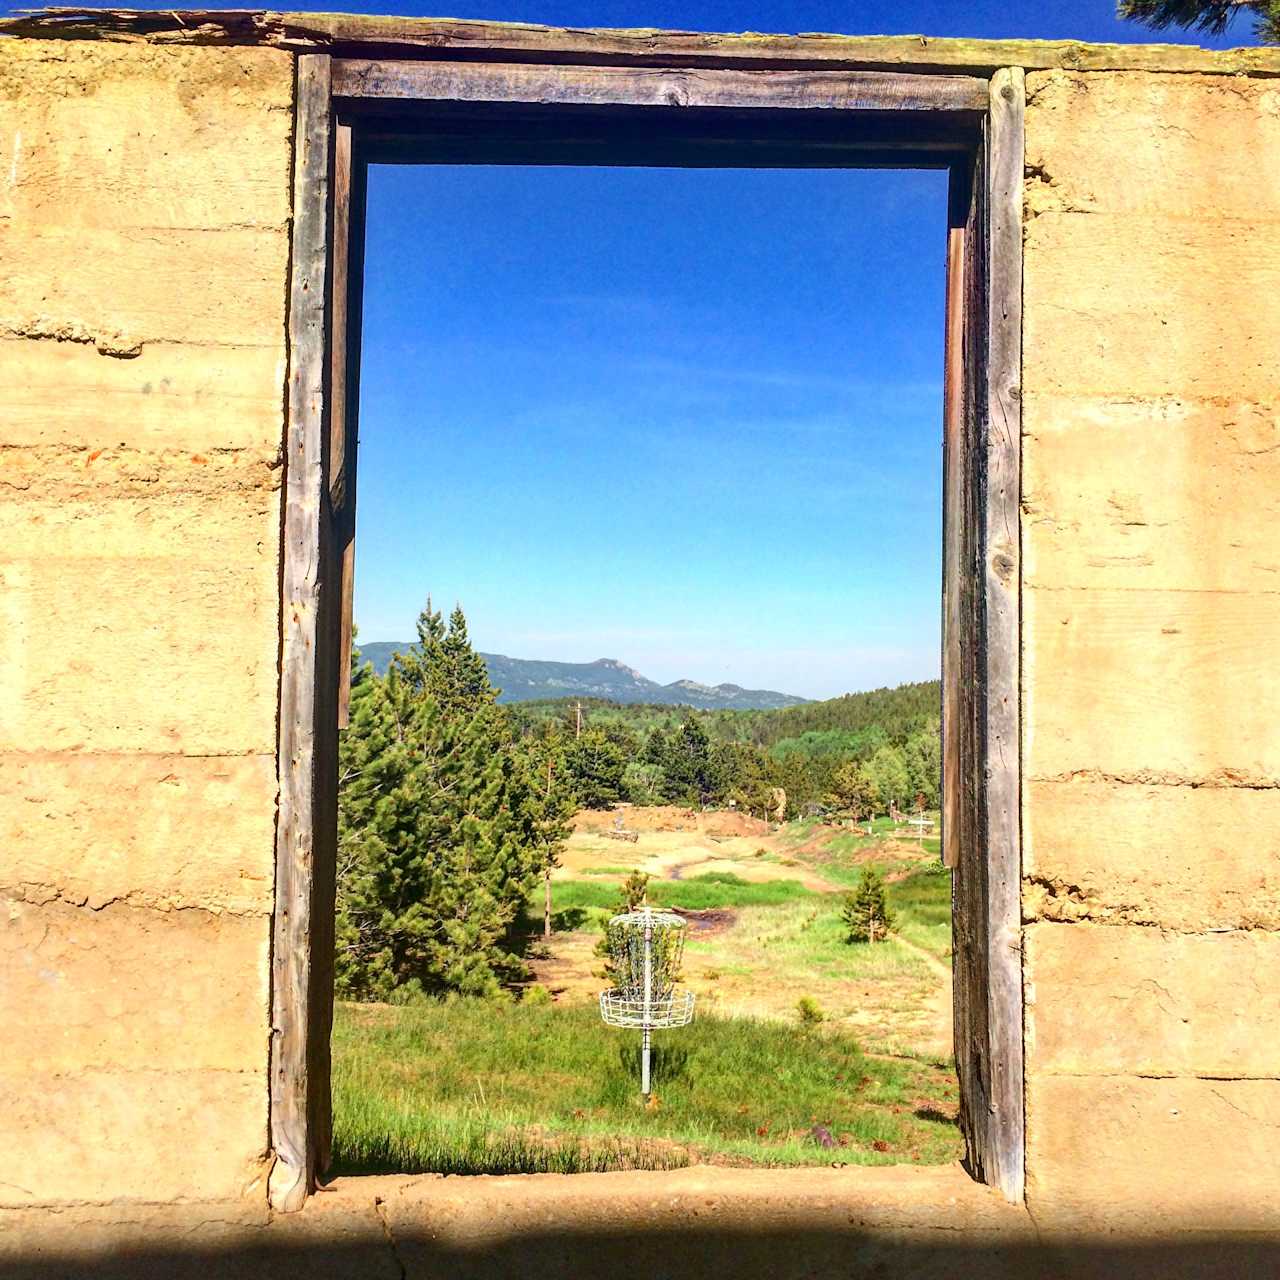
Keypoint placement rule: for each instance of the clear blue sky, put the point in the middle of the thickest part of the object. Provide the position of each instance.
(687, 419)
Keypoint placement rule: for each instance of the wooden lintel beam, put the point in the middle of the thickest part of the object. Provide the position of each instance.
(403, 81)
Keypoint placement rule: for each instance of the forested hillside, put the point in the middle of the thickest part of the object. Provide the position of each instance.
(530, 679)
(812, 751)
(453, 807)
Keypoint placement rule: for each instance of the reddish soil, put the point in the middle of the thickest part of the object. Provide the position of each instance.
(715, 823)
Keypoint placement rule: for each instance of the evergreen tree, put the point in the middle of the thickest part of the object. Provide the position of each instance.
(866, 913)
(1212, 16)
(854, 791)
(687, 763)
(443, 826)
(632, 895)
(594, 768)
(743, 774)
(655, 748)
(444, 666)
(551, 803)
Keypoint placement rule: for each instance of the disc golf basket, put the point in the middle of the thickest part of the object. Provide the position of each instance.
(646, 947)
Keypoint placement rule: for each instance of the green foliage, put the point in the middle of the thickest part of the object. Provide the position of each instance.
(444, 824)
(635, 889)
(631, 896)
(866, 913)
(466, 1086)
(681, 756)
(897, 712)
(594, 766)
(689, 773)
(854, 791)
(809, 1011)
(644, 783)
(1212, 16)
(887, 770)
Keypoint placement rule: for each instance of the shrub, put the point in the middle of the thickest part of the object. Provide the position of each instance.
(866, 913)
(635, 889)
(632, 895)
(810, 1011)
(536, 994)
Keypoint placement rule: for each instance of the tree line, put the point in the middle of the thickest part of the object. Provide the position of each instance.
(857, 755)
(453, 808)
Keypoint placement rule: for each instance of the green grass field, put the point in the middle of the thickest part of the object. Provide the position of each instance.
(469, 1086)
(921, 900)
(465, 1086)
(578, 904)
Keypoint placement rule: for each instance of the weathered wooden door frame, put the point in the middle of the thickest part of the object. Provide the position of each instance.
(556, 108)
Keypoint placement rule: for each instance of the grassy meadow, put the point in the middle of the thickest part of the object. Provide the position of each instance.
(467, 1086)
(539, 1084)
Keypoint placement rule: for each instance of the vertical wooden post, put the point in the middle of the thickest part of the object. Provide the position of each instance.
(953, 508)
(982, 713)
(1002, 584)
(293, 1040)
(347, 295)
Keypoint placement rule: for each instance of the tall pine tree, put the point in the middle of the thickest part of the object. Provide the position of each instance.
(444, 825)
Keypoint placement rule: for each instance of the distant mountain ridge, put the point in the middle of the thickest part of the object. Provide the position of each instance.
(527, 679)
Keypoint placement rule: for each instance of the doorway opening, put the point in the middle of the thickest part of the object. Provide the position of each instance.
(672, 438)
(370, 120)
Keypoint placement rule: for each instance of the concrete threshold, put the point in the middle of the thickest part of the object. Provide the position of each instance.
(887, 1222)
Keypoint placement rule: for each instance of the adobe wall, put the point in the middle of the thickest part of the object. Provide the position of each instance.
(1151, 611)
(144, 220)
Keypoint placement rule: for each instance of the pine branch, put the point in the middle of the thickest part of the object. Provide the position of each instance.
(1210, 16)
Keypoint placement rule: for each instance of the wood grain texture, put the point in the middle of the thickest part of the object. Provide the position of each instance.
(302, 607)
(348, 272)
(657, 86)
(516, 42)
(962, 708)
(673, 137)
(953, 455)
(1002, 577)
(982, 711)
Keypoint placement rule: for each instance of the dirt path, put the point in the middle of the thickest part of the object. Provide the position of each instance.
(744, 867)
(941, 1037)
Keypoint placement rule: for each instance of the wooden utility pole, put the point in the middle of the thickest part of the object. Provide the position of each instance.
(578, 730)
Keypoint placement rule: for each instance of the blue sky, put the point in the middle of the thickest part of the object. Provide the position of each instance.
(688, 419)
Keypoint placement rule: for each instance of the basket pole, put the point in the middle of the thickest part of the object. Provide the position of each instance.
(648, 997)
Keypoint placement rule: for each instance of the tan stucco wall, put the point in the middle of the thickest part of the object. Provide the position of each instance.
(144, 219)
(1151, 606)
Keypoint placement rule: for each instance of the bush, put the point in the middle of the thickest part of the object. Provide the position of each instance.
(810, 1011)
(536, 994)
(866, 913)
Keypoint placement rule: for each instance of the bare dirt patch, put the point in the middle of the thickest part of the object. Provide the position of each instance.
(709, 921)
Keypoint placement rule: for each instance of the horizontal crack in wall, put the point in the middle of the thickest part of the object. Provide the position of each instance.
(36, 894)
(1048, 899)
(108, 342)
(1224, 779)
